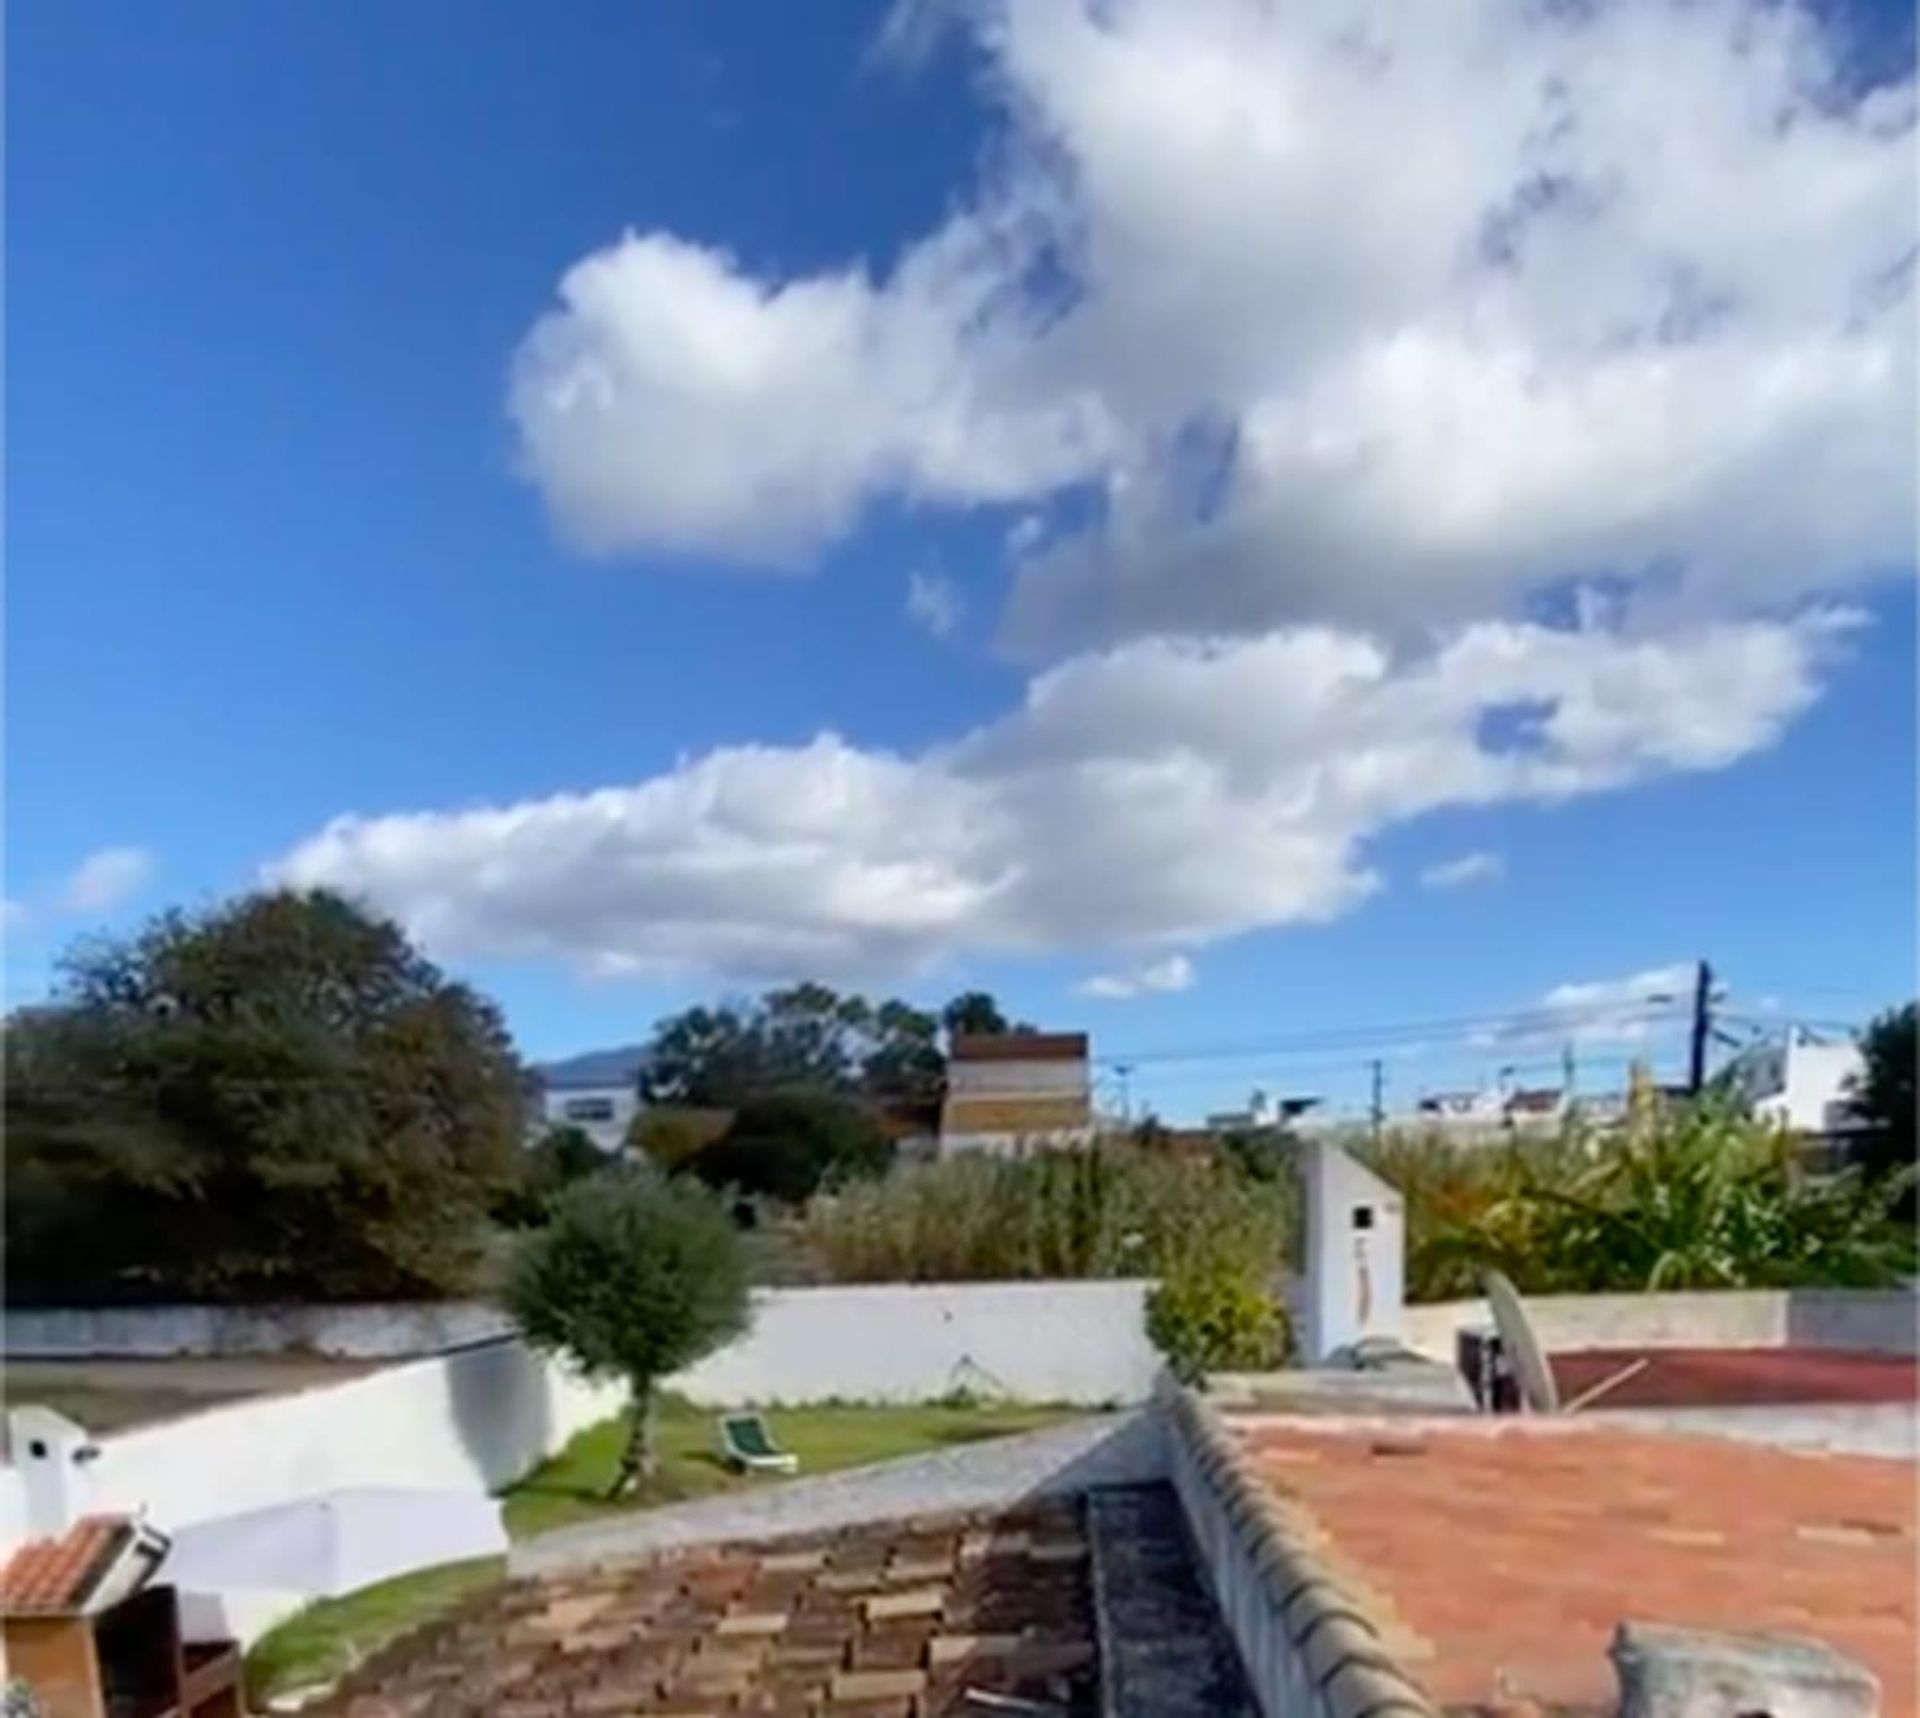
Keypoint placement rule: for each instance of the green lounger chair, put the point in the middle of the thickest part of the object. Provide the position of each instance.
(746, 1444)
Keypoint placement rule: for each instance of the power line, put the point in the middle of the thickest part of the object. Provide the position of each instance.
(1513, 1028)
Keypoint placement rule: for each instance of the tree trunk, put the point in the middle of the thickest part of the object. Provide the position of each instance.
(637, 1460)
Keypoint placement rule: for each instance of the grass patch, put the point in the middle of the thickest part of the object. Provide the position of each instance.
(327, 1638)
(572, 1485)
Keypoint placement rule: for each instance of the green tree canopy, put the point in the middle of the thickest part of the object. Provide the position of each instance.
(975, 1013)
(805, 1037)
(1884, 1095)
(278, 1097)
(635, 1276)
(785, 1146)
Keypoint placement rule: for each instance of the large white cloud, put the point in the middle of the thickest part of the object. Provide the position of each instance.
(1368, 313)
(1159, 795)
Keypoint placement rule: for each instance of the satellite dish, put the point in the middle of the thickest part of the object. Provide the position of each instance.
(1524, 1353)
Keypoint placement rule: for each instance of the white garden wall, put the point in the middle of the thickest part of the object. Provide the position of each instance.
(1874, 1320)
(884, 1342)
(907, 1342)
(467, 1421)
(368, 1330)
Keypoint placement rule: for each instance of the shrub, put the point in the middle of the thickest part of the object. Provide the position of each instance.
(786, 1146)
(560, 1157)
(1703, 1199)
(635, 1276)
(1106, 1211)
(1216, 1317)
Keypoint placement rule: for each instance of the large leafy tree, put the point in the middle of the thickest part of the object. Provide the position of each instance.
(806, 1037)
(1884, 1093)
(975, 1013)
(278, 1097)
(635, 1276)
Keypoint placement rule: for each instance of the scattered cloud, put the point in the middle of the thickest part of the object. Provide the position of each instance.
(1606, 1011)
(1383, 317)
(1165, 791)
(934, 603)
(1295, 351)
(107, 879)
(1469, 868)
(13, 913)
(1156, 977)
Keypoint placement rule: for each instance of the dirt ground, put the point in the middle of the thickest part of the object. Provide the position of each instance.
(111, 1395)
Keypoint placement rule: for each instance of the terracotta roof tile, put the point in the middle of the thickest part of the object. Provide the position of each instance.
(1504, 1554)
(55, 1577)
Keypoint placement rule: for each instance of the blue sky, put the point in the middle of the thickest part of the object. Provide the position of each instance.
(287, 541)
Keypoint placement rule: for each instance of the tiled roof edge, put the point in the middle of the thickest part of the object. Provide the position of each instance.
(1330, 1632)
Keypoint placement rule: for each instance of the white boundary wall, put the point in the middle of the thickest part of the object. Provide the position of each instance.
(366, 1330)
(1082, 1342)
(1883, 1321)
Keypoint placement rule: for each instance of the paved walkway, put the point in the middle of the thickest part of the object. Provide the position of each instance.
(1106, 1449)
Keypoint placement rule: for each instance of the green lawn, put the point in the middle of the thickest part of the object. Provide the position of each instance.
(326, 1638)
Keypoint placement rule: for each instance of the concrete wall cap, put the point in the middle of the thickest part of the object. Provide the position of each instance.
(1336, 1638)
(1315, 1603)
(1360, 1688)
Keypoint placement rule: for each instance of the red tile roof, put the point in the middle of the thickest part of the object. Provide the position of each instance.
(1499, 1558)
(1735, 1377)
(56, 1577)
(1018, 1047)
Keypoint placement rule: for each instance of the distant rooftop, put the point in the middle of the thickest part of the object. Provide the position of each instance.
(1018, 1047)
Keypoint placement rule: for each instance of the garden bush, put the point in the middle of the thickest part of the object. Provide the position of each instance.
(1107, 1211)
(1216, 1316)
(1701, 1198)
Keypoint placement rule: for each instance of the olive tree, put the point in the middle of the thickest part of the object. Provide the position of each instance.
(635, 1276)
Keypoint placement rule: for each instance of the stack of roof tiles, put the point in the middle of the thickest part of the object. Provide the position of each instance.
(898, 1620)
(56, 1576)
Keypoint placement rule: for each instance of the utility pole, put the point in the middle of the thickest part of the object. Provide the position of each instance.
(1376, 1111)
(1569, 1070)
(1702, 1028)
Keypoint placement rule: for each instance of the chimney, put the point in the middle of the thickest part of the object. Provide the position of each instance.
(53, 1457)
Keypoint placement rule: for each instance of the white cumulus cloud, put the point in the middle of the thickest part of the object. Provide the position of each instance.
(1464, 871)
(1162, 792)
(1155, 977)
(107, 879)
(1330, 312)
(934, 603)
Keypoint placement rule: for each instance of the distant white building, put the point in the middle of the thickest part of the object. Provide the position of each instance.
(598, 1093)
(1797, 1082)
(1013, 1092)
